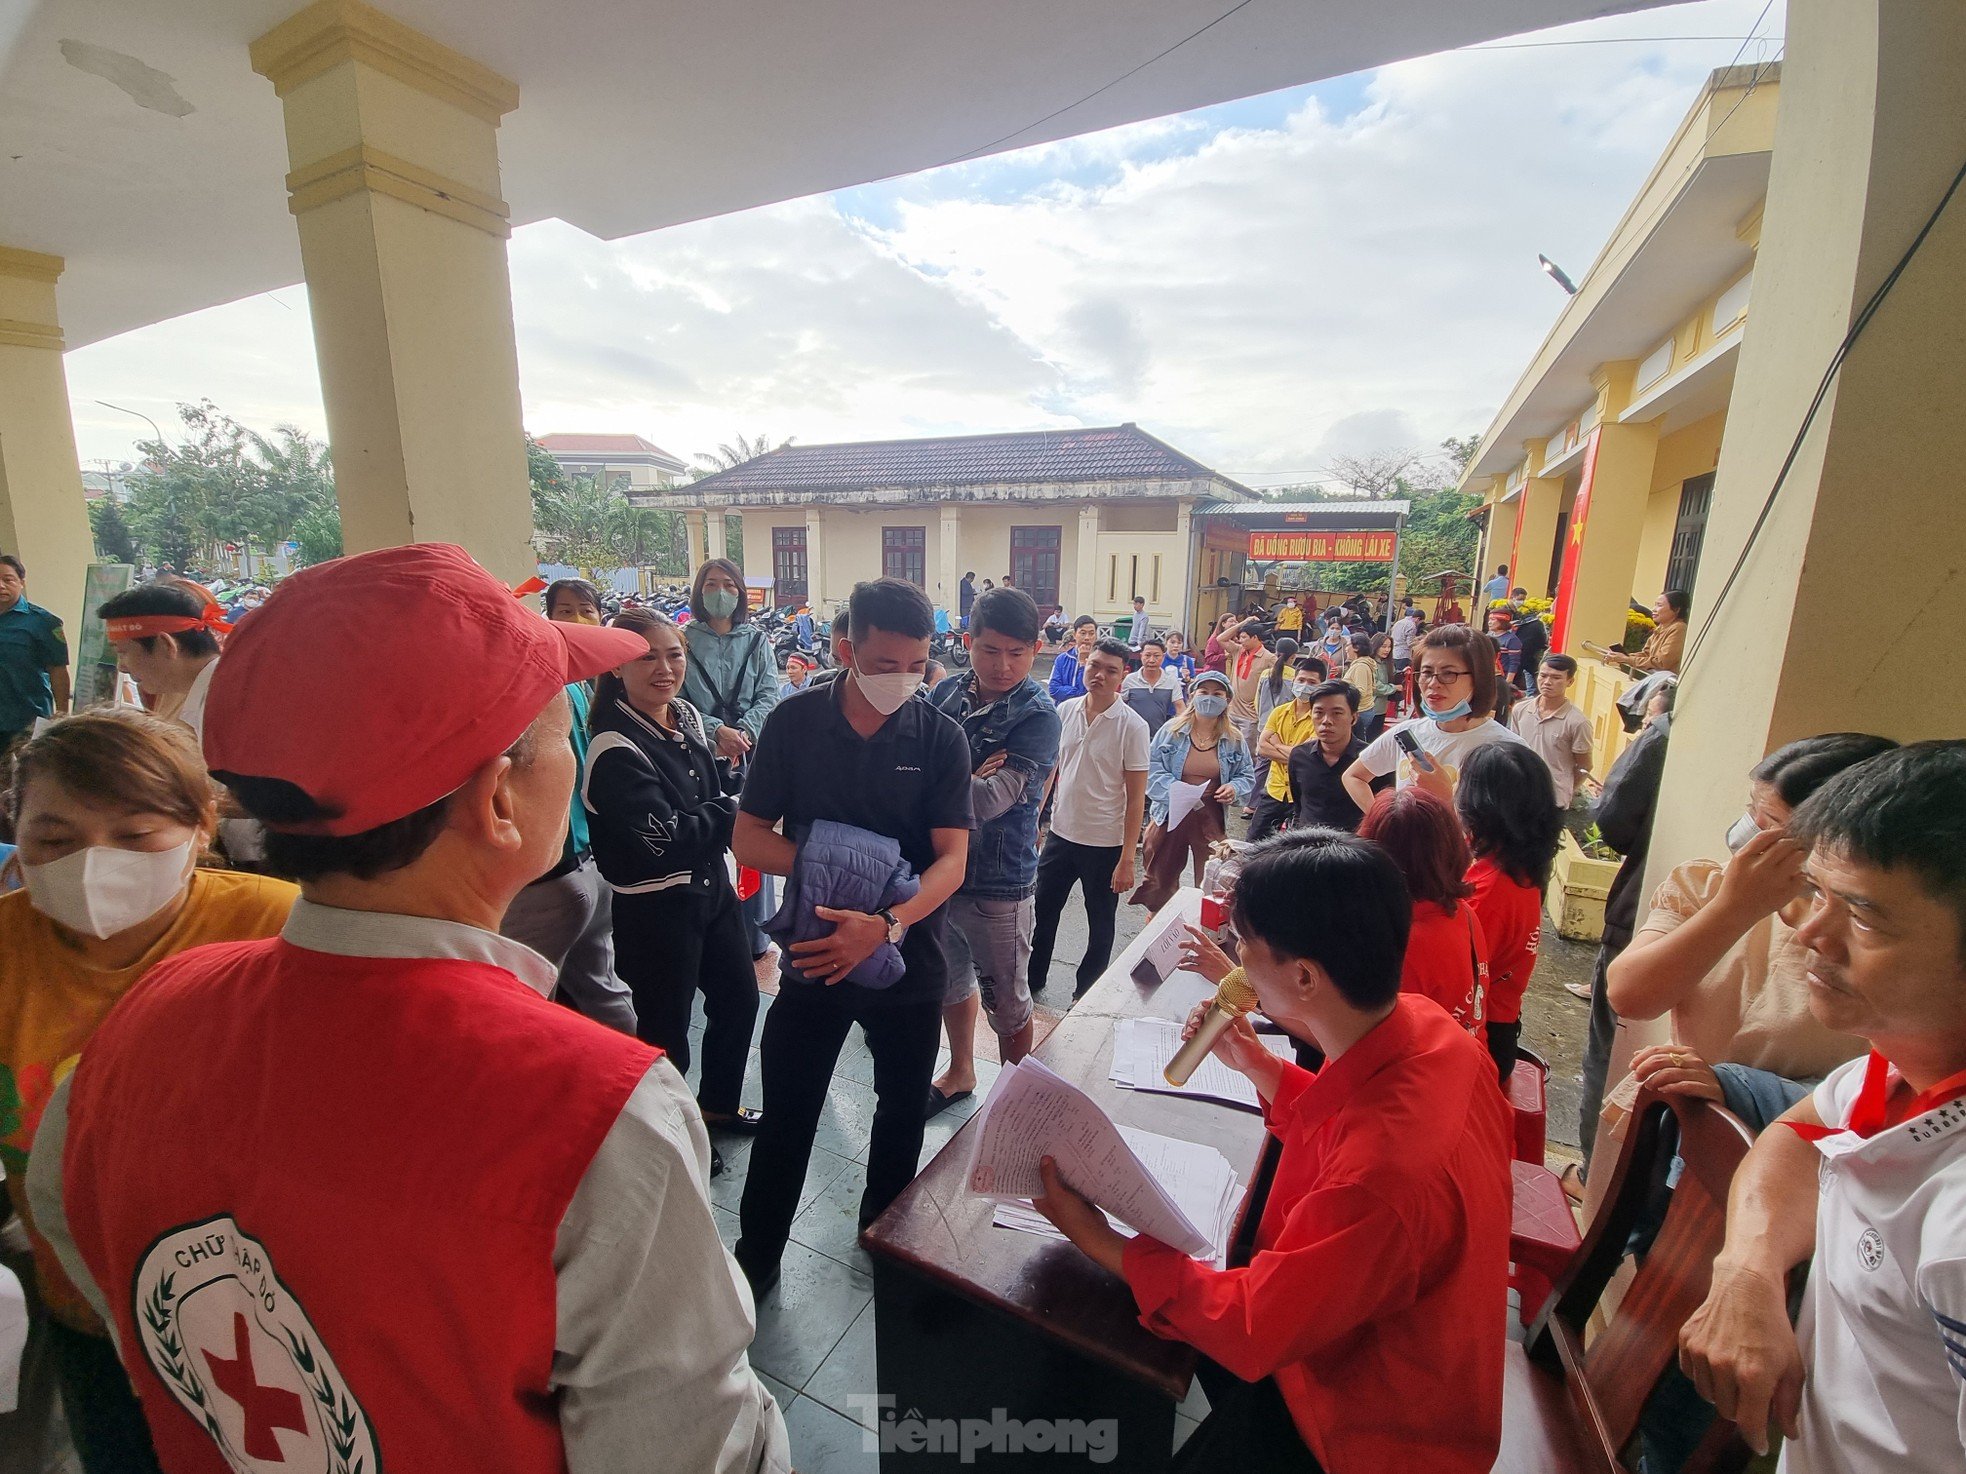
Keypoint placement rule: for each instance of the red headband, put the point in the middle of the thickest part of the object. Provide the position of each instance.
(146, 626)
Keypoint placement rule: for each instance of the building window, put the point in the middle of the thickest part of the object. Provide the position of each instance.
(788, 563)
(1034, 562)
(1695, 496)
(904, 554)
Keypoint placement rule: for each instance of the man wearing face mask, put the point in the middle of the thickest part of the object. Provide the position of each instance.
(365, 1168)
(1289, 725)
(858, 751)
(1360, 1335)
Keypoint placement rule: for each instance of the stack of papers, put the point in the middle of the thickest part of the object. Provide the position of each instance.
(1142, 1048)
(1179, 1192)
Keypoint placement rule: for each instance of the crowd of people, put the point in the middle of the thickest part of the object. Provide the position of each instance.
(355, 969)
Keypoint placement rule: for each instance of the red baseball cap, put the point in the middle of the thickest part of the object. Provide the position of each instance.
(379, 683)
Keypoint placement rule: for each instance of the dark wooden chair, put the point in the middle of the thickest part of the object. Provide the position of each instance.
(1572, 1409)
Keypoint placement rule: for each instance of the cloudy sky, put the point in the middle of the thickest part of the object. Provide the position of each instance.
(1344, 268)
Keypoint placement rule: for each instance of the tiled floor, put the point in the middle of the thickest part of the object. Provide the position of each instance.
(815, 1341)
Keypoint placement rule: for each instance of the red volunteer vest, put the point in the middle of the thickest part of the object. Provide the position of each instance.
(321, 1194)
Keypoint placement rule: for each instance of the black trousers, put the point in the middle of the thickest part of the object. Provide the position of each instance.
(1502, 1040)
(804, 1031)
(104, 1417)
(670, 945)
(1248, 1430)
(1597, 1050)
(1062, 866)
(1270, 815)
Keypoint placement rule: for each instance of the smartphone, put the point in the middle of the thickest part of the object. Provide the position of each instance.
(1406, 744)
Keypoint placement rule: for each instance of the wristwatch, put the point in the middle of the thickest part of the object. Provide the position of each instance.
(895, 929)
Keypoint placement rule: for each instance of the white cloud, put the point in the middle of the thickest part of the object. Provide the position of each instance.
(1263, 297)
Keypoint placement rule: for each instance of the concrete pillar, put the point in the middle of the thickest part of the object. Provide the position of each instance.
(393, 144)
(950, 563)
(816, 556)
(44, 520)
(1537, 508)
(696, 534)
(1601, 555)
(719, 533)
(1869, 135)
(1086, 596)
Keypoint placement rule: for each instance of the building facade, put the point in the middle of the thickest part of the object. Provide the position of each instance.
(628, 460)
(1598, 473)
(1086, 518)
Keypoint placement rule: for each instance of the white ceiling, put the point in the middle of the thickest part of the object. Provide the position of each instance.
(633, 115)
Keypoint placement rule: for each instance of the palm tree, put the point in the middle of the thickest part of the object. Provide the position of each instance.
(736, 453)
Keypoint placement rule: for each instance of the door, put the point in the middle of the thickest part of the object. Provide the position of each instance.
(1034, 562)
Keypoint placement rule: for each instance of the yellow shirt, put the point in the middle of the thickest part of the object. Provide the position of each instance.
(51, 1002)
(1290, 617)
(1287, 729)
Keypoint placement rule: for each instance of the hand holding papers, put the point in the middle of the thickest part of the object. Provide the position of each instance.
(1174, 1191)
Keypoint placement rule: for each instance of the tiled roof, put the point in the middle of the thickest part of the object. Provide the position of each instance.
(1112, 453)
(596, 445)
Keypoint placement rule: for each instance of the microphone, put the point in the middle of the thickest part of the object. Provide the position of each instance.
(1233, 999)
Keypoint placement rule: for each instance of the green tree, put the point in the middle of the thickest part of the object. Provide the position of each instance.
(544, 473)
(318, 531)
(1438, 533)
(114, 544)
(735, 452)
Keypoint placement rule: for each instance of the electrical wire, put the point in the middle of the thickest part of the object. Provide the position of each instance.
(1857, 326)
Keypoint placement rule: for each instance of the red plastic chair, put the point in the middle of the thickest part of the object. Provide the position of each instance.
(1542, 1236)
(1529, 1094)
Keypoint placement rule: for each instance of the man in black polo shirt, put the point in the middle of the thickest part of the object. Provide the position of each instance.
(1317, 769)
(856, 751)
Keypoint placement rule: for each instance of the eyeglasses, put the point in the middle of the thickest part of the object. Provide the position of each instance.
(1440, 677)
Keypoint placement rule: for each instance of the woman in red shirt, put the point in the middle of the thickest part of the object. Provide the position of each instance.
(1362, 1333)
(1447, 953)
(1507, 803)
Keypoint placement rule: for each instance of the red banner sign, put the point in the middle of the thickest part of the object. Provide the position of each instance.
(1573, 550)
(1321, 547)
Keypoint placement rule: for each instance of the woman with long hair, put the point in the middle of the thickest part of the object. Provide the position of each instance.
(113, 810)
(1362, 673)
(1201, 746)
(660, 821)
(1273, 688)
(732, 682)
(1446, 951)
(1507, 802)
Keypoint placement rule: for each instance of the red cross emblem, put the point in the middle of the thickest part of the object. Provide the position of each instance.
(266, 1409)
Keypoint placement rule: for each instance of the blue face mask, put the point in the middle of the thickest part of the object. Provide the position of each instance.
(1454, 713)
(719, 603)
(1211, 706)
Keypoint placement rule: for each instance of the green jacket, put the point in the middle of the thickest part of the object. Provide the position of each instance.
(731, 678)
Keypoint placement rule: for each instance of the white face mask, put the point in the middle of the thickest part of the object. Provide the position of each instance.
(101, 891)
(888, 694)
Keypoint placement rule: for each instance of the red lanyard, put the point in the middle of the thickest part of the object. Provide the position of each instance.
(1873, 1112)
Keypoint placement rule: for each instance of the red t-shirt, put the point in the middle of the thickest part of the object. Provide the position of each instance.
(1447, 961)
(1381, 1266)
(1511, 916)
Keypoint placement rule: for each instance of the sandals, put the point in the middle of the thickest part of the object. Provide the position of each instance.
(745, 1123)
(938, 1102)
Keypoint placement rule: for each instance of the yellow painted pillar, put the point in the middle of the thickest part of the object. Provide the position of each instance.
(44, 520)
(1086, 596)
(393, 144)
(950, 562)
(1537, 507)
(1600, 556)
(696, 532)
(1869, 135)
(815, 556)
(718, 529)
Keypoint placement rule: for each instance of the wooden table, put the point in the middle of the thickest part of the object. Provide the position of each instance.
(971, 1319)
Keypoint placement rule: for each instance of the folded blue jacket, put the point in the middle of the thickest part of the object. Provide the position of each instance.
(848, 869)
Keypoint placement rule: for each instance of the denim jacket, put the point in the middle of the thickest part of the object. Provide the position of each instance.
(1003, 856)
(1169, 755)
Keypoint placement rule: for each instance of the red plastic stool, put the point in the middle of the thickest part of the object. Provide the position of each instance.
(1542, 1235)
(1528, 1094)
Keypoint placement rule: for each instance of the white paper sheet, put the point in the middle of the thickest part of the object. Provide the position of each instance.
(1199, 1178)
(13, 1337)
(1142, 1048)
(1033, 1113)
(1162, 956)
(1182, 799)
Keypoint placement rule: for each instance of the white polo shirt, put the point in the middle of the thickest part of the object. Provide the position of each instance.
(1094, 756)
(1883, 1323)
